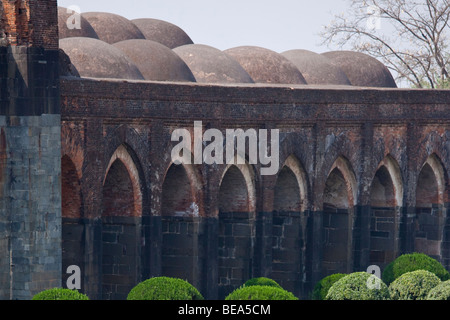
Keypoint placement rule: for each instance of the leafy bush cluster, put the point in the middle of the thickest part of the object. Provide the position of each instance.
(413, 285)
(412, 262)
(440, 292)
(60, 294)
(258, 292)
(358, 286)
(413, 276)
(321, 288)
(261, 281)
(164, 288)
(261, 289)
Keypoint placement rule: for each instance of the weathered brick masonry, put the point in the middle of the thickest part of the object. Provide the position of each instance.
(87, 177)
(363, 178)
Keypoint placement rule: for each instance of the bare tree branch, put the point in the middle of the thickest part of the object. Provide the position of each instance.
(412, 42)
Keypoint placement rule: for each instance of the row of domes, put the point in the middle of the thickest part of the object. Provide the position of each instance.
(111, 46)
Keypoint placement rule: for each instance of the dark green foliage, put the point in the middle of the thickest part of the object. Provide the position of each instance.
(260, 293)
(164, 288)
(412, 262)
(321, 288)
(60, 294)
(358, 286)
(262, 281)
(440, 292)
(414, 285)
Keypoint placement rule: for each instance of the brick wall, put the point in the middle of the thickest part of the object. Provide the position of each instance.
(31, 23)
(353, 131)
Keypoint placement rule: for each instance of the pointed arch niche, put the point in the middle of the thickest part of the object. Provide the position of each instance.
(236, 204)
(121, 226)
(288, 226)
(339, 200)
(429, 220)
(386, 199)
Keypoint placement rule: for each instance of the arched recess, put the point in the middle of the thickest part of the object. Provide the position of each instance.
(429, 222)
(339, 199)
(181, 208)
(121, 226)
(72, 224)
(236, 204)
(386, 199)
(290, 201)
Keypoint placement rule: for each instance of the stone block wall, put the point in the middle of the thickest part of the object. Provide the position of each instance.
(31, 206)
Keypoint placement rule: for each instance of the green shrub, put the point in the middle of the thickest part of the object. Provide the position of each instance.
(358, 286)
(60, 294)
(412, 262)
(262, 281)
(260, 293)
(321, 288)
(164, 288)
(440, 292)
(414, 285)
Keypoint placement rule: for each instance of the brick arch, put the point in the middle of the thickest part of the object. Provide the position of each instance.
(192, 185)
(243, 173)
(430, 213)
(72, 227)
(301, 183)
(340, 196)
(386, 198)
(343, 166)
(124, 169)
(71, 202)
(236, 222)
(436, 166)
(121, 225)
(181, 209)
(394, 171)
(288, 225)
(343, 154)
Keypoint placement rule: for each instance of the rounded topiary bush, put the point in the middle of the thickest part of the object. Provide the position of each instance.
(440, 292)
(414, 285)
(321, 288)
(260, 293)
(262, 281)
(358, 286)
(164, 288)
(412, 262)
(60, 294)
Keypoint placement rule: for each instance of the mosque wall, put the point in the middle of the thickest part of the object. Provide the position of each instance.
(362, 179)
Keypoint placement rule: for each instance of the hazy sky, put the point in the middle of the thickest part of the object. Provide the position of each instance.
(278, 25)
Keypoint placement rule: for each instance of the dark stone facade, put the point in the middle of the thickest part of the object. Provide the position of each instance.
(87, 177)
(359, 155)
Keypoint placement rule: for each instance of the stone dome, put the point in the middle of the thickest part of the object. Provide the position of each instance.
(163, 32)
(362, 69)
(111, 27)
(266, 66)
(316, 68)
(155, 61)
(211, 65)
(65, 18)
(97, 59)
